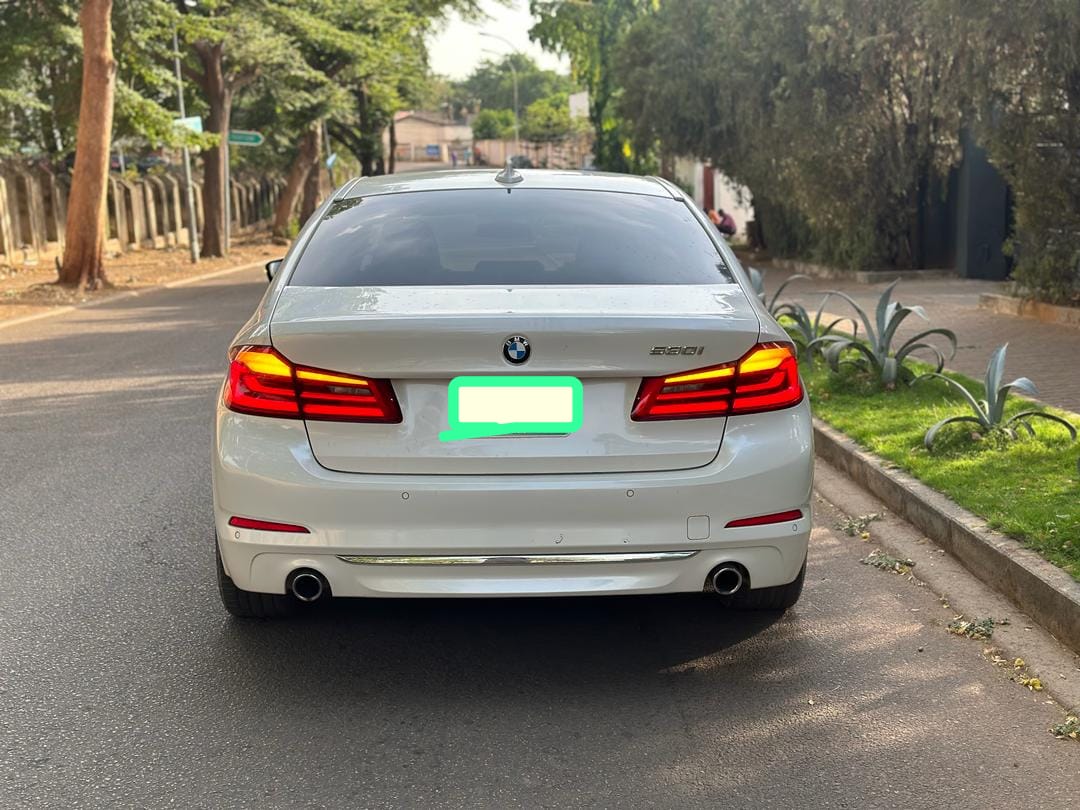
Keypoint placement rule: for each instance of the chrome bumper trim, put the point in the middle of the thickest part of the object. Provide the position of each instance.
(517, 559)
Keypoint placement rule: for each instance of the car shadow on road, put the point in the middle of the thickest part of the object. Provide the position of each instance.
(422, 644)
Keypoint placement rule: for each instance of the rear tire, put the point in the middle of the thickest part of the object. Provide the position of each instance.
(248, 604)
(778, 597)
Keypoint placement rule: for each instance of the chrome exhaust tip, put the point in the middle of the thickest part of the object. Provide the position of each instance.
(308, 586)
(727, 580)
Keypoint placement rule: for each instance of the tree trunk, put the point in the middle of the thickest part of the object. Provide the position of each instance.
(366, 155)
(84, 237)
(306, 157)
(391, 159)
(219, 98)
(313, 183)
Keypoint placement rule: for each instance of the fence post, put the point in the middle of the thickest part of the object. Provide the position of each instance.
(7, 240)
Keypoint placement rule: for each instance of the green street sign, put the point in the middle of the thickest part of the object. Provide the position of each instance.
(245, 137)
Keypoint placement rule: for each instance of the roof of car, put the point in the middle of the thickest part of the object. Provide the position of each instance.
(475, 178)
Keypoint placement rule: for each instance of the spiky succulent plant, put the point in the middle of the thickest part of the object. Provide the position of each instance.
(989, 413)
(874, 351)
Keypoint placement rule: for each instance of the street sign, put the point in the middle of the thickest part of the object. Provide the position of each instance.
(245, 137)
(192, 122)
(432, 150)
(330, 161)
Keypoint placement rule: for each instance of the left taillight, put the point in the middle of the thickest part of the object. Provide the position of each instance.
(766, 378)
(264, 383)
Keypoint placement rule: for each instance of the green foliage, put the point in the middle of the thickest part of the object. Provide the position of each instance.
(989, 413)
(875, 351)
(1026, 93)
(590, 33)
(547, 119)
(841, 116)
(493, 125)
(491, 85)
(41, 75)
(1028, 488)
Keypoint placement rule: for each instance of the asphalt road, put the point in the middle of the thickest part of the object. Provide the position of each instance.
(123, 683)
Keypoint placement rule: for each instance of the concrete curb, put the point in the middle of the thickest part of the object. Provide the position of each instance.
(1026, 308)
(861, 276)
(1044, 592)
(120, 296)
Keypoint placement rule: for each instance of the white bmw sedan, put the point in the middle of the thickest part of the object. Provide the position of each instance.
(534, 383)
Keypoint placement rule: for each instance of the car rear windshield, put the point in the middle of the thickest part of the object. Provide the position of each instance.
(524, 237)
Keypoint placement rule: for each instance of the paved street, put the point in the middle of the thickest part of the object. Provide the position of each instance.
(123, 683)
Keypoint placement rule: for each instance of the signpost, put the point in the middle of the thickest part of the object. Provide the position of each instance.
(194, 123)
(245, 137)
(237, 137)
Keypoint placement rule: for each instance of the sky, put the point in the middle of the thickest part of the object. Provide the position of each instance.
(458, 47)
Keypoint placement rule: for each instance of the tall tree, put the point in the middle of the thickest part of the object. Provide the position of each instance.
(306, 159)
(235, 44)
(590, 33)
(84, 245)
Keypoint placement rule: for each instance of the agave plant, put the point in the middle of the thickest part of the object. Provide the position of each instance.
(757, 280)
(989, 413)
(803, 329)
(875, 351)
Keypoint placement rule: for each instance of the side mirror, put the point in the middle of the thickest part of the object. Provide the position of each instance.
(272, 268)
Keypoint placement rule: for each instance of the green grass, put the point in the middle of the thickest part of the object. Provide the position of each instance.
(1028, 488)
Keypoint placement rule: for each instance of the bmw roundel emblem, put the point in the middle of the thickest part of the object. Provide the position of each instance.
(516, 349)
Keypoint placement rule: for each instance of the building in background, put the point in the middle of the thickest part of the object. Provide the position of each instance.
(429, 137)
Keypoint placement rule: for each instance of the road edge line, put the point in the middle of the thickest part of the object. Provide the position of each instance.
(1039, 588)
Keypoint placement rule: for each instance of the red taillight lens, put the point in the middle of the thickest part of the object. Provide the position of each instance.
(264, 383)
(261, 382)
(266, 525)
(765, 379)
(762, 520)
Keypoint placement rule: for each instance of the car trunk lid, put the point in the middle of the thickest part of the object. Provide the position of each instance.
(420, 338)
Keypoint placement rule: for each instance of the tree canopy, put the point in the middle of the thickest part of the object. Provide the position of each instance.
(842, 117)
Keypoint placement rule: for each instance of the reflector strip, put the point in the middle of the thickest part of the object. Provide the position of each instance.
(711, 374)
(266, 525)
(761, 520)
(320, 376)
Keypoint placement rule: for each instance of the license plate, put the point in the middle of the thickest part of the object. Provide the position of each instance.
(502, 406)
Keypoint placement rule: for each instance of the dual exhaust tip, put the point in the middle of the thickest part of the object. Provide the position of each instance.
(727, 579)
(307, 585)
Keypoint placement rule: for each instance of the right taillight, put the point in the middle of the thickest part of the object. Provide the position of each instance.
(264, 383)
(766, 378)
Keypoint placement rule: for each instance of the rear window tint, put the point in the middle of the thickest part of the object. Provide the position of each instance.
(527, 236)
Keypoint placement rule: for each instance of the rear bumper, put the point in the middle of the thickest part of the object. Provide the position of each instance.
(263, 468)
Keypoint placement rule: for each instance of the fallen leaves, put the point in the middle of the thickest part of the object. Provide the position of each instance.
(980, 629)
(879, 559)
(1069, 729)
(852, 526)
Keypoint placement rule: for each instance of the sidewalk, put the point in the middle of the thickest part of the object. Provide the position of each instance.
(27, 290)
(1049, 354)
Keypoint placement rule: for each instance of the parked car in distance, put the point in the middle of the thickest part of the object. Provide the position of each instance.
(382, 430)
(149, 162)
